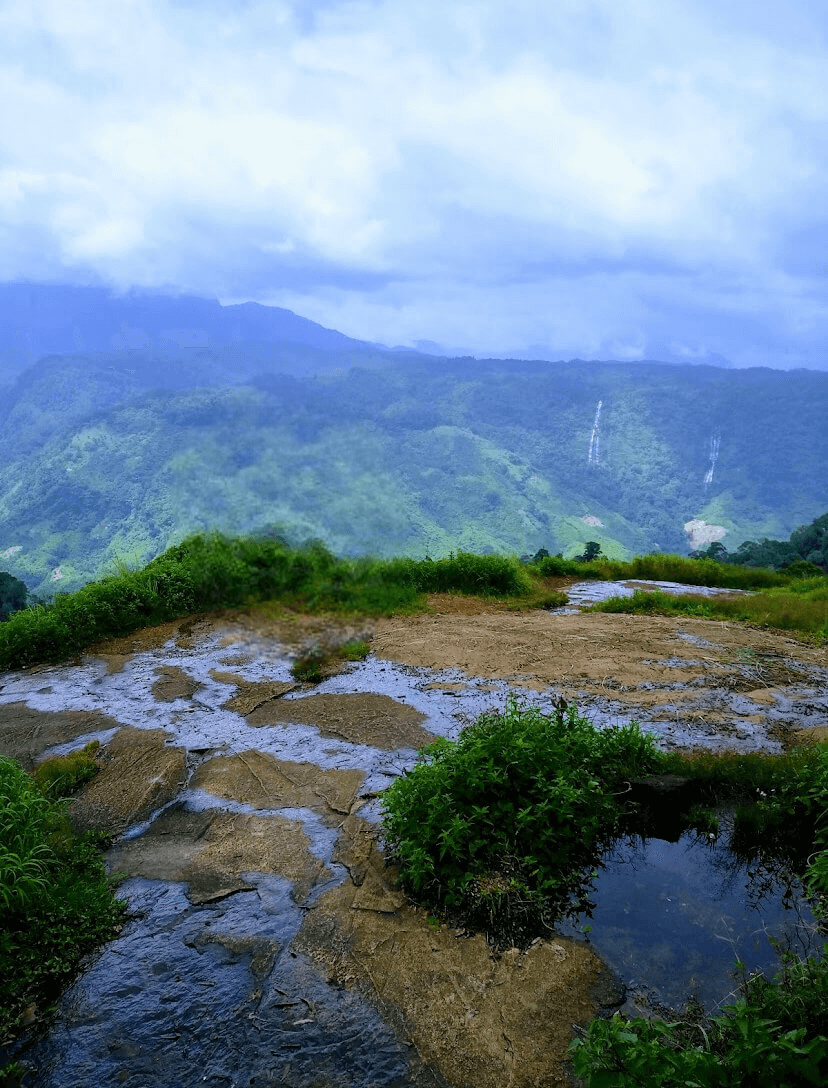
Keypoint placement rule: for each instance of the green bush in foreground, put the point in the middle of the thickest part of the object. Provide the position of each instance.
(773, 1037)
(503, 826)
(56, 899)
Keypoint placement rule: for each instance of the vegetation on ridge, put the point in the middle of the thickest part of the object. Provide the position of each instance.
(411, 456)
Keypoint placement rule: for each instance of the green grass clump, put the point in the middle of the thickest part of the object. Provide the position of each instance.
(503, 826)
(56, 899)
(317, 662)
(791, 609)
(61, 776)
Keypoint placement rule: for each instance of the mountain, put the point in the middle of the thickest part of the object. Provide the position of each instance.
(113, 456)
(45, 319)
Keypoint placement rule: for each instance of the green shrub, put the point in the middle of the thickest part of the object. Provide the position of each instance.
(56, 900)
(481, 575)
(504, 825)
(773, 1037)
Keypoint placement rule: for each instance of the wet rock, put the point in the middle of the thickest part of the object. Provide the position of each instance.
(250, 695)
(173, 683)
(265, 782)
(211, 849)
(140, 772)
(361, 718)
(26, 733)
(210, 995)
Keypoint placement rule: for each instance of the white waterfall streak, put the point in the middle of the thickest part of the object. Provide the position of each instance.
(714, 457)
(595, 437)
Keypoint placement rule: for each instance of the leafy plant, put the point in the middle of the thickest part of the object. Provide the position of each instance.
(503, 826)
(773, 1036)
(56, 898)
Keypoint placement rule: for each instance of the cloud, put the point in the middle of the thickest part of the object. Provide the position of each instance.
(588, 173)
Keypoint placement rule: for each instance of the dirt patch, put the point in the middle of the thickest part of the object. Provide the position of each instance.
(262, 781)
(139, 773)
(25, 733)
(361, 718)
(579, 651)
(212, 849)
(480, 1018)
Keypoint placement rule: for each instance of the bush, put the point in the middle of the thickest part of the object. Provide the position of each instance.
(56, 899)
(503, 827)
(773, 1037)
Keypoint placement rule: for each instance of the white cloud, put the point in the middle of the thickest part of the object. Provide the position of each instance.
(455, 155)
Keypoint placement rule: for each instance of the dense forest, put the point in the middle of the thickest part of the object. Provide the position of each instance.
(111, 457)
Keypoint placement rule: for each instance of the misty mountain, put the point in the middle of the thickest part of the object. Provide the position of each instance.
(47, 319)
(113, 456)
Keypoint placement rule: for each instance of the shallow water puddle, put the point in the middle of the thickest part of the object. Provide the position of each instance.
(671, 918)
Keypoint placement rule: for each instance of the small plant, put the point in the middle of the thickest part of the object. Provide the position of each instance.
(704, 820)
(61, 776)
(311, 665)
(319, 661)
(355, 650)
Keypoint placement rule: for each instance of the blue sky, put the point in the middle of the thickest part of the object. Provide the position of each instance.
(613, 179)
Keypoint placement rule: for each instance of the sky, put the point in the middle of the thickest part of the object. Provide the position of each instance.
(617, 179)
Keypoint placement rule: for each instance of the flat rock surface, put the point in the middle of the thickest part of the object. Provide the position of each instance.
(269, 942)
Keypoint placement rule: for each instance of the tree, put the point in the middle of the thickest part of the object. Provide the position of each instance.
(592, 551)
(13, 595)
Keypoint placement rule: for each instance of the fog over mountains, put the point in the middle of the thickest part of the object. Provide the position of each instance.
(128, 422)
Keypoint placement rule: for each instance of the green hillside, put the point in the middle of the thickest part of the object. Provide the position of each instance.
(115, 457)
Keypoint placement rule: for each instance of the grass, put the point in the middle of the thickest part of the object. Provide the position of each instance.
(800, 607)
(57, 901)
(62, 776)
(320, 661)
(667, 568)
(216, 571)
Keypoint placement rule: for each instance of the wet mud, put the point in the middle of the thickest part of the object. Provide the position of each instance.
(269, 942)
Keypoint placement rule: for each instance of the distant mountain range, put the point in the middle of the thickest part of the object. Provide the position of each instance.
(46, 319)
(145, 418)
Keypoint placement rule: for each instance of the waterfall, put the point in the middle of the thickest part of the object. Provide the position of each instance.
(714, 457)
(595, 437)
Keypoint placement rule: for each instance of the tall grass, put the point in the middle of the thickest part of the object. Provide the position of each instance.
(57, 902)
(661, 567)
(788, 609)
(216, 571)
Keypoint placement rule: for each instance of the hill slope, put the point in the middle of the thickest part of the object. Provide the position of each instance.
(121, 454)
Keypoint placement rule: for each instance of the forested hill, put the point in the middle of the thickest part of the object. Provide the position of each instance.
(122, 454)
